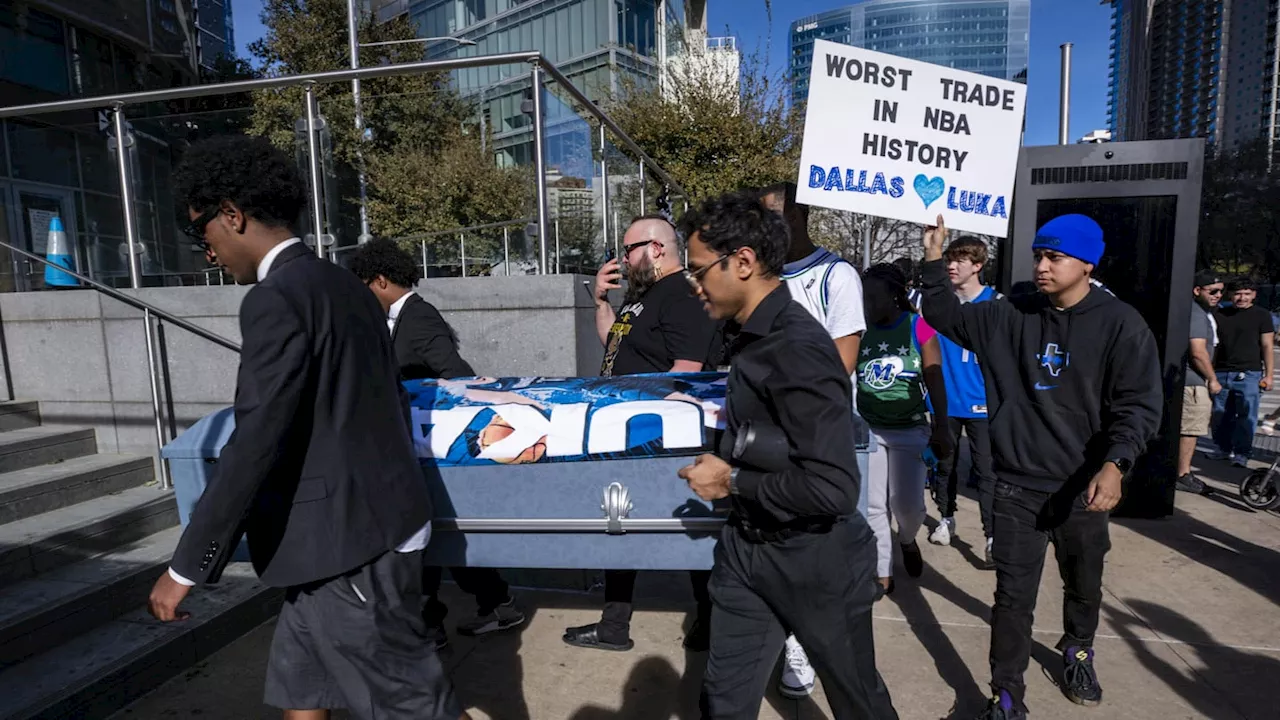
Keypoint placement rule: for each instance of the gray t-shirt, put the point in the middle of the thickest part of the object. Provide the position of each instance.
(1202, 326)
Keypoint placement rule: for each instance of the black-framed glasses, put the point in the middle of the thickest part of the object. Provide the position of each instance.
(628, 249)
(195, 229)
(1213, 292)
(694, 277)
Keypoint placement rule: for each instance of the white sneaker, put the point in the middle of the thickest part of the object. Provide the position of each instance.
(797, 674)
(941, 535)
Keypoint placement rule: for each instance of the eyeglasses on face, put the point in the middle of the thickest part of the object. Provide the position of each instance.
(195, 229)
(694, 277)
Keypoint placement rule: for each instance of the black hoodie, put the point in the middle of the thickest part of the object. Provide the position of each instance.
(1067, 390)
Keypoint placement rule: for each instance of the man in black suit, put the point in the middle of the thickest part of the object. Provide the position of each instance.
(426, 347)
(320, 472)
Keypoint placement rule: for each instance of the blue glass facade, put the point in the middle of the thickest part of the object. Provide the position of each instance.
(991, 37)
(594, 42)
(216, 31)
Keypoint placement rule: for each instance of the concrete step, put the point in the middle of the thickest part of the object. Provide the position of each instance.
(45, 542)
(30, 447)
(99, 672)
(41, 489)
(19, 415)
(49, 610)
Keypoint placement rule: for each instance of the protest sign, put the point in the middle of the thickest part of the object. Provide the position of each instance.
(910, 140)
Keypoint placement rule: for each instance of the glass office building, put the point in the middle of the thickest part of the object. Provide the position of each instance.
(61, 165)
(596, 43)
(991, 37)
(1199, 68)
(216, 37)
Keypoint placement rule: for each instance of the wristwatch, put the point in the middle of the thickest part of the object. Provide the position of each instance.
(733, 481)
(1125, 465)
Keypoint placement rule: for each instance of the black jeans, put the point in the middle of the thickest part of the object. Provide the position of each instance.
(821, 587)
(485, 584)
(1024, 522)
(620, 591)
(944, 490)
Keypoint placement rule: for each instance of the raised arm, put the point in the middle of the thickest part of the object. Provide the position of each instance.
(967, 324)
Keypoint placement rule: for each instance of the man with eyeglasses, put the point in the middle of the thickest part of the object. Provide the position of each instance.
(795, 554)
(1201, 383)
(659, 329)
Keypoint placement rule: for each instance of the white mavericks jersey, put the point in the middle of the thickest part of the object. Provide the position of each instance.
(831, 290)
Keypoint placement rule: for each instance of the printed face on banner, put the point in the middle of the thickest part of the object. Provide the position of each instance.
(910, 140)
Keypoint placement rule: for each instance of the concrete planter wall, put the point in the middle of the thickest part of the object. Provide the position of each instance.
(83, 355)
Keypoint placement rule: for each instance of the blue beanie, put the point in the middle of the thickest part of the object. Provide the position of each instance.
(1074, 235)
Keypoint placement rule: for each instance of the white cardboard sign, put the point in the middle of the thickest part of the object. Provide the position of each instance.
(910, 140)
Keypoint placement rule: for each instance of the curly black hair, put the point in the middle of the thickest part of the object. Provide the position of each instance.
(384, 257)
(893, 278)
(250, 172)
(737, 220)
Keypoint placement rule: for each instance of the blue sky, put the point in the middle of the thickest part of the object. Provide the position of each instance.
(1087, 23)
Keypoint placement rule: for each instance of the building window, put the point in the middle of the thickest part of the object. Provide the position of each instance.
(33, 50)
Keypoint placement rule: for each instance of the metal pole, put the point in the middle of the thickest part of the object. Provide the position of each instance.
(557, 246)
(643, 204)
(604, 190)
(424, 258)
(617, 248)
(1064, 101)
(462, 253)
(135, 281)
(313, 159)
(353, 45)
(506, 249)
(866, 242)
(540, 167)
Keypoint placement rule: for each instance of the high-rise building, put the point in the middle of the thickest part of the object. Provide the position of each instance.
(1195, 68)
(216, 37)
(991, 37)
(598, 44)
(61, 165)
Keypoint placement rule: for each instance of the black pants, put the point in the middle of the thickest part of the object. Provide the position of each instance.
(1024, 522)
(620, 591)
(485, 584)
(821, 587)
(945, 484)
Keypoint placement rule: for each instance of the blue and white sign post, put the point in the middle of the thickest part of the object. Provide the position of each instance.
(910, 140)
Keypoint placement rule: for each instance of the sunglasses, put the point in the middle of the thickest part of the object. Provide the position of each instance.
(628, 249)
(1213, 292)
(694, 277)
(195, 229)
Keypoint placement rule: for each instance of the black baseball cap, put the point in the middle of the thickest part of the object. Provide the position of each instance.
(1205, 278)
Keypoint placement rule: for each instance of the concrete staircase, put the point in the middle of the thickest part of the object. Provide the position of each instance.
(83, 537)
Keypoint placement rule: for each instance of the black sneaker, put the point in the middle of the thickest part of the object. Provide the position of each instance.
(1079, 681)
(1002, 707)
(912, 560)
(588, 636)
(503, 617)
(1191, 484)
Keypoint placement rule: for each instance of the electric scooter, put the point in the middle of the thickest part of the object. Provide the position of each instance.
(1260, 489)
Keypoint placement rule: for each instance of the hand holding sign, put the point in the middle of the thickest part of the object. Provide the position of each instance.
(935, 236)
(905, 139)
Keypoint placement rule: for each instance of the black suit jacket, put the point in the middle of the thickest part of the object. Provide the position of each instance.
(426, 347)
(320, 472)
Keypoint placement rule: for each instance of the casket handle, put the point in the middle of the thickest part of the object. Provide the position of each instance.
(616, 507)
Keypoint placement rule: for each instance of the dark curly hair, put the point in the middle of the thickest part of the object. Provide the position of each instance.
(894, 279)
(249, 171)
(737, 220)
(384, 257)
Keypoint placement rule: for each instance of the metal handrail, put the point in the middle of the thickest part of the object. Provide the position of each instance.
(131, 302)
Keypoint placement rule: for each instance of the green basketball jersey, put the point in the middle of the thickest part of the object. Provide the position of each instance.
(890, 376)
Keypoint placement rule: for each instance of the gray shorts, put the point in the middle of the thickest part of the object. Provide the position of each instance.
(358, 642)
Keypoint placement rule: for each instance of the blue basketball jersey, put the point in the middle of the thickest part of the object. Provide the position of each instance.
(966, 391)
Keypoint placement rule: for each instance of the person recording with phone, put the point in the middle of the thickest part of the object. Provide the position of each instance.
(900, 364)
(659, 329)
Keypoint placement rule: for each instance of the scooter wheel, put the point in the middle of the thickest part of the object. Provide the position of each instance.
(1258, 490)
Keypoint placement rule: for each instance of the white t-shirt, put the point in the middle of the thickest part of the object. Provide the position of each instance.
(831, 290)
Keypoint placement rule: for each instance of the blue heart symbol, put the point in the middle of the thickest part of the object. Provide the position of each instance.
(929, 190)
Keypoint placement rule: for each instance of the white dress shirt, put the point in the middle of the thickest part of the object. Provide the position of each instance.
(419, 539)
(393, 313)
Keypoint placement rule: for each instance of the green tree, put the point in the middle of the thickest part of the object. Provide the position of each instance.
(1240, 212)
(423, 154)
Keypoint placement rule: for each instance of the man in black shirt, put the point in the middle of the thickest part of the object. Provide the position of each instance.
(795, 551)
(426, 347)
(661, 328)
(1245, 364)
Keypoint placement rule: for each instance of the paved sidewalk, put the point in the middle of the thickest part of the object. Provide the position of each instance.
(1190, 629)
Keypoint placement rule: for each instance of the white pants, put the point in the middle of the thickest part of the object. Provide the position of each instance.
(895, 489)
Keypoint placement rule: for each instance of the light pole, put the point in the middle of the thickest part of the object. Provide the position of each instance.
(353, 45)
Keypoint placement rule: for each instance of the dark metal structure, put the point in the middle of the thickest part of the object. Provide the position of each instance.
(1146, 197)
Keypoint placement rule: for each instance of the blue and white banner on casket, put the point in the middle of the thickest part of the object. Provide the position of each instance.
(493, 421)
